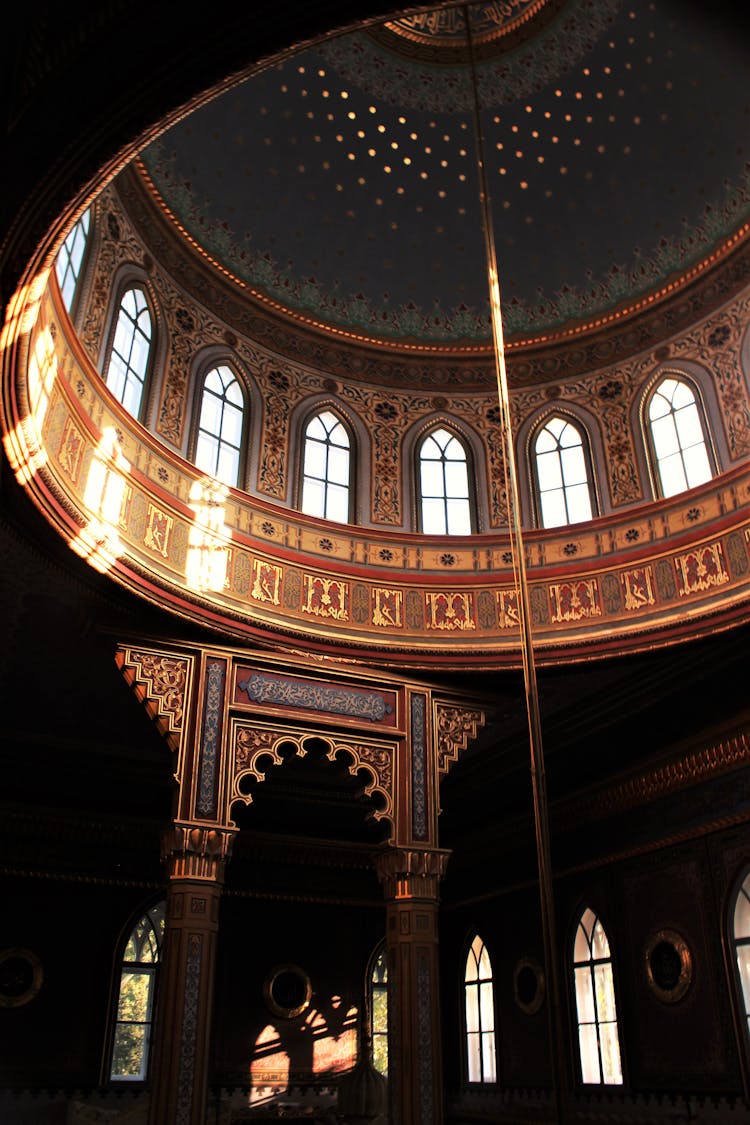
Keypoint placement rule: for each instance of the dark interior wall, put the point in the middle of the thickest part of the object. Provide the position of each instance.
(331, 943)
(692, 1045)
(76, 931)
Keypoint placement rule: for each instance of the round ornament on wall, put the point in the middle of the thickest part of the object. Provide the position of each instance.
(669, 965)
(287, 991)
(21, 976)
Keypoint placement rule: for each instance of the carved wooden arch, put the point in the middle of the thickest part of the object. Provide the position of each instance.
(255, 748)
(455, 727)
(161, 681)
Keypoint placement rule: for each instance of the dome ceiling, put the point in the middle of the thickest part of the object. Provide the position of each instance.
(342, 185)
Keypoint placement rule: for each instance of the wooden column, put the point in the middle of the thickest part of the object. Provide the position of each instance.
(411, 879)
(195, 860)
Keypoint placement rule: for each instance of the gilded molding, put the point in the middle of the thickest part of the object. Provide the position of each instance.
(455, 728)
(256, 749)
(160, 681)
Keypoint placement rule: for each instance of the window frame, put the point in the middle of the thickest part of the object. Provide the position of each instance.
(582, 430)
(740, 1007)
(480, 1032)
(88, 218)
(200, 382)
(132, 282)
(306, 421)
(590, 963)
(703, 418)
(153, 970)
(380, 952)
(458, 435)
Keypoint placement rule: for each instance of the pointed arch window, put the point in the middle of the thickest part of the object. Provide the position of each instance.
(379, 1010)
(70, 259)
(218, 449)
(443, 477)
(562, 473)
(480, 1014)
(131, 350)
(136, 996)
(741, 942)
(326, 471)
(598, 1037)
(678, 437)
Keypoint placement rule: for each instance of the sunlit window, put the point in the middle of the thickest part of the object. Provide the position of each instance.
(480, 1014)
(598, 1037)
(562, 476)
(136, 997)
(70, 258)
(379, 1012)
(131, 349)
(443, 476)
(678, 437)
(326, 479)
(741, 938)
(218, 448)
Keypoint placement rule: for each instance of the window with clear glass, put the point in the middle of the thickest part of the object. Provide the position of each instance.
(136, 996)
(741, 938)
(70, 259)
(326, 472)
(564, 489)
(598, 1037)
(379, 1012)
(131, 350)
(678, 437)
(218, 448)
(480, 1014)
(443, 476)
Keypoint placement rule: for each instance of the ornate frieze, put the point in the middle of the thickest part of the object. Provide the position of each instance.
(316, 695)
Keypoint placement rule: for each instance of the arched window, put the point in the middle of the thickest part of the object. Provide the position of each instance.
(136, 996)
(598, 1038)
(562, 476)
(218, 449)
(678, 437)
(70, 258)
(443, 476)
(741, 940)
(326, 471)
(480, 1014)
(131, 349)
(379, 1010)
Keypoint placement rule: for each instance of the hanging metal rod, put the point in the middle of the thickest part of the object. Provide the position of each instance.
(538, 778)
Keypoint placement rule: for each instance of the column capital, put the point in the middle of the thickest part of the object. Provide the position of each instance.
(411, 873)
(198, 852)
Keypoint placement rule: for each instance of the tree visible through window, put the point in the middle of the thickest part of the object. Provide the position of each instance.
(598, 1038)
(219, 445)
(128, 363)
(326, 468)
(678, 439)
(379, 1012)
(135, 1002)
(480, 1014)
(70, 257)
(561, 473)
(444, 485)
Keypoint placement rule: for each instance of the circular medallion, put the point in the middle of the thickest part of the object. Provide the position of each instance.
(528, 985)
(287, 991)
(446, 27)
(669, 965)
(20, 977)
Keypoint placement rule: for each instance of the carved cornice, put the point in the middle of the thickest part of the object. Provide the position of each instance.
(411, 873)
(196, 852)
(692, 769)
(455, 728)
